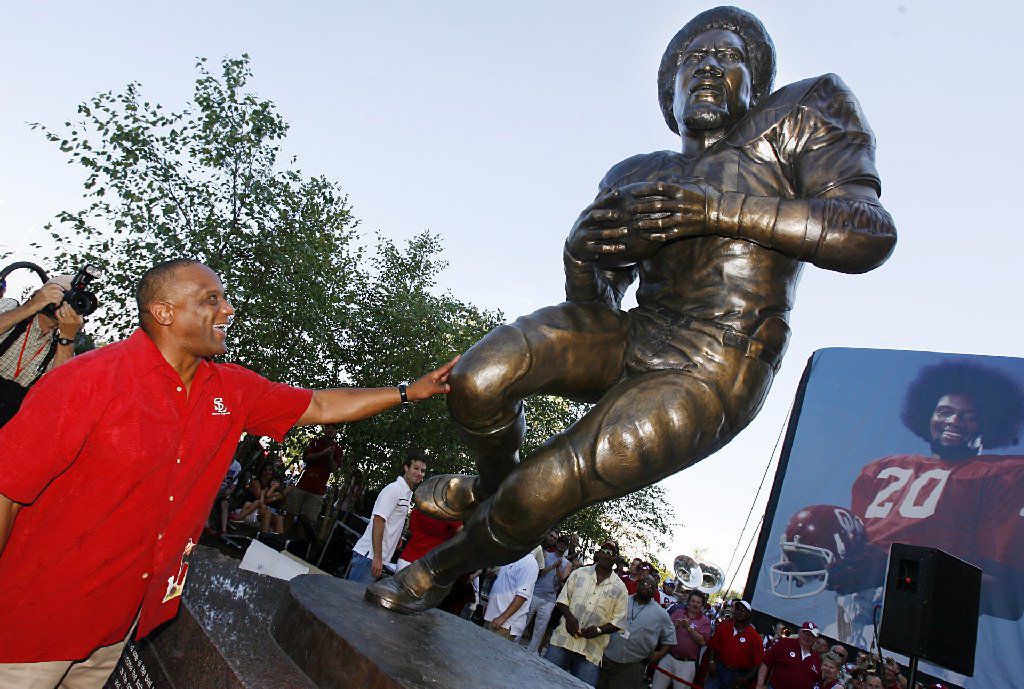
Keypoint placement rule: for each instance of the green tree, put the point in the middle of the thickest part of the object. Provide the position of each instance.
(400, 327)
(204, 182)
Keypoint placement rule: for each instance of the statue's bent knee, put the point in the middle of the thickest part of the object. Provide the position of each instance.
(482, 379)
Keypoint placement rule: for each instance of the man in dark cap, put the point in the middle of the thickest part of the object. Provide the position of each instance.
(717, 233)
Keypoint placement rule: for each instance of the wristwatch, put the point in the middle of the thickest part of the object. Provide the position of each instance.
(402, 387)
(65, 341)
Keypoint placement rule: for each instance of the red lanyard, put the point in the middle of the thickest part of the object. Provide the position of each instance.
(18, 367)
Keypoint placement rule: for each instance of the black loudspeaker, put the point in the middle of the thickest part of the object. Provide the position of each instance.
(931, 607)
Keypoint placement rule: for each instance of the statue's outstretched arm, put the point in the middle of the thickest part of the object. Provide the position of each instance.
(846, 229)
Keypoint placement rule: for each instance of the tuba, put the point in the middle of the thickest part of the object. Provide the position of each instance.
(713, 579)
(704, 577)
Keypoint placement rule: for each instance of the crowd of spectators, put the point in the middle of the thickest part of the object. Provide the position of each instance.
(608, 620)
(262, 493)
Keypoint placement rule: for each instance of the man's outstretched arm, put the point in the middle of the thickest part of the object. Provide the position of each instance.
(8, 511)
(341, 405)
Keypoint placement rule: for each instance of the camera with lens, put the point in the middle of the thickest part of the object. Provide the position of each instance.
(78, 297)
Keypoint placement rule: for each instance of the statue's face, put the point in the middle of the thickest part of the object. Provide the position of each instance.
(713, 84)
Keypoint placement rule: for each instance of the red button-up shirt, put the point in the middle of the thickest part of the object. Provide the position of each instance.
(738, 650)
(117, 465)
(791, 669)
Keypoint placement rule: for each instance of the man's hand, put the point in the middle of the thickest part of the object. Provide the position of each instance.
(433, 383)
(572, 625)
(377, 568)
(590, 632)
(69, 322)
(660, 653)
(554, 565)
(50, 293)
(664, 211)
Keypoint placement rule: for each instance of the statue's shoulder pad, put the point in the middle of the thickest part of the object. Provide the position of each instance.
(635, 168)
(807, 92)
(824, 98)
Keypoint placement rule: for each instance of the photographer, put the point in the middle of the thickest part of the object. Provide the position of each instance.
(32, 341)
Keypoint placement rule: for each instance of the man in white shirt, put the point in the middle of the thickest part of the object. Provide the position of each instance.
(377, 544)
(510, 597)
(556, 567)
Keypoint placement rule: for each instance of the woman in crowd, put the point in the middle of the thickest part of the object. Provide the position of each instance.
(830, 664)
(260, 496)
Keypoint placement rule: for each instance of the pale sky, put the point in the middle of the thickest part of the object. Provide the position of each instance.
(492, 124)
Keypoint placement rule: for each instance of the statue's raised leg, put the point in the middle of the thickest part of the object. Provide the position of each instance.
(571, 350)
(647, 427)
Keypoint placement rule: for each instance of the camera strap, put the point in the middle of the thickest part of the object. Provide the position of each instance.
(19, 330)
(50, 353)
(14, 333)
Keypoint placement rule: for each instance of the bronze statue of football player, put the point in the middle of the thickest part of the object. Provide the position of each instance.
(717, 233)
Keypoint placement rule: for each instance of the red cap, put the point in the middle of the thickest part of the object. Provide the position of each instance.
(810, 627)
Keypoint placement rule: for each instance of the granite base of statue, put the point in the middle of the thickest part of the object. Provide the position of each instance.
(238, 629)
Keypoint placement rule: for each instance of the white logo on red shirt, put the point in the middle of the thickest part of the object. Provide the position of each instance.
(219, 408)
(176, 583)
(792, 654)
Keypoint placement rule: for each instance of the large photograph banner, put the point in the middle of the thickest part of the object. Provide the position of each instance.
(909, 447)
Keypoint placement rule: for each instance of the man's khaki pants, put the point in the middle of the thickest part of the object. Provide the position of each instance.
(90, 673)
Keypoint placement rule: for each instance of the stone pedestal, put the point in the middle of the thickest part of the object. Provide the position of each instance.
(341, 641)
(221, 636)
(242, 630)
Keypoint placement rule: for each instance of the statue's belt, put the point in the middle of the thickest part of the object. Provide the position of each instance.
(727, 335)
